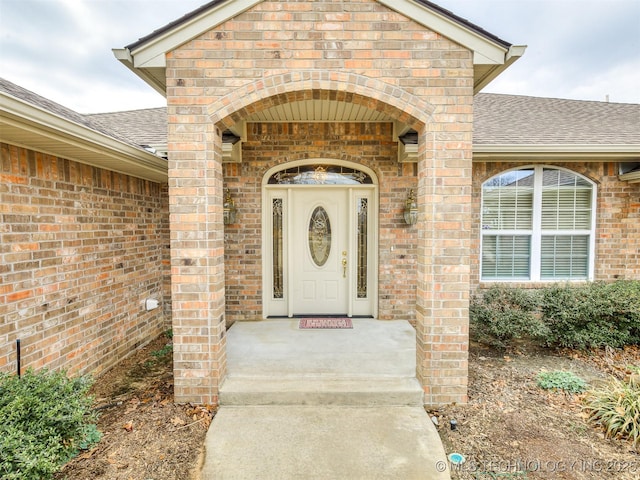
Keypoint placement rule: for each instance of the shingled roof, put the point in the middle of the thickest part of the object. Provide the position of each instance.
(499, 120)
(505, 121)
(61, 111)
(144, 127)
(520, 120)
(35, 122)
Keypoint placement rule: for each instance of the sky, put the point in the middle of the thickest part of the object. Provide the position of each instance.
(61, 49)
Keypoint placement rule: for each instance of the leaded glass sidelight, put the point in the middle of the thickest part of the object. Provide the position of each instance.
(363, 211)
(278, 276)
(320, 236)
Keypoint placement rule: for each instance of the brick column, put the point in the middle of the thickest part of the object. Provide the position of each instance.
(197, 268)
(442, 308)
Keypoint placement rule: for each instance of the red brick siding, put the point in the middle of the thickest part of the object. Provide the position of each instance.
(81, 249)
(358, 52)
(369, 144)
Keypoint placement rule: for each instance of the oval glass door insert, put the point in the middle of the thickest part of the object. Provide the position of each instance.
(320, 236)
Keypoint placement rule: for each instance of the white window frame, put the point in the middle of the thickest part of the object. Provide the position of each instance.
(536, 233)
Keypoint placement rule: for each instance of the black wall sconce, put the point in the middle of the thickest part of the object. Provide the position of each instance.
(229, 212)
(411, 209)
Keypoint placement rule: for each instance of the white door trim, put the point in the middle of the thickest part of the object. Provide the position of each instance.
(284, 306)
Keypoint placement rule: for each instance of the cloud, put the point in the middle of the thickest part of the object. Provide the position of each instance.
(61, 49)
(581, 49)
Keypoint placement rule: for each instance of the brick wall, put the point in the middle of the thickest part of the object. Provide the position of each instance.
(369, 144)
(617, 254)
(356, 52)
(80, 250)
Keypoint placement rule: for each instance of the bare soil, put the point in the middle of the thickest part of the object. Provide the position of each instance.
(509, 429)
(145, 436)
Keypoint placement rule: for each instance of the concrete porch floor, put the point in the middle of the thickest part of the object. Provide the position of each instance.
(322, 404)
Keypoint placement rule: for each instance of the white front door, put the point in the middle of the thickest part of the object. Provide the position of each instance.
(319, 229)
(320, 249)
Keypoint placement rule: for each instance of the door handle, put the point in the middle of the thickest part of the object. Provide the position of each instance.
(344, 268)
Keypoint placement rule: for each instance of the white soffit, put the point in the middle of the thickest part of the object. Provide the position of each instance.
(26, 125)
(318, 111)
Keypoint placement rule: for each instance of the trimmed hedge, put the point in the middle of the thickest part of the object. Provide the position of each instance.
(503, 314)
(562, 315)
(592, 315)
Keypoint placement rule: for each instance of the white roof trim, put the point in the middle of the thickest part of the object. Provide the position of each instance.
(485, 50)
(105, 151)
(560, 152)
(126, 59)
(152, 53)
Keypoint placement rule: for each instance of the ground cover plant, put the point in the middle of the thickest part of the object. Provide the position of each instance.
(560, 380)
(47, 418)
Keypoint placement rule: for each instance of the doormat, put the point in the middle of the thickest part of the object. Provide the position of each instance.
(325, 322)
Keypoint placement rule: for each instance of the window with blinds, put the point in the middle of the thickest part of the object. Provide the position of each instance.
(537, 224)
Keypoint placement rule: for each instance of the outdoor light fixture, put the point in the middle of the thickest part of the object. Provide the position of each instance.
(229, 215)
(411, 209)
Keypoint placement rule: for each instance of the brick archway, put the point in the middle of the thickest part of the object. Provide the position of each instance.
(442, 231)
(320, 85)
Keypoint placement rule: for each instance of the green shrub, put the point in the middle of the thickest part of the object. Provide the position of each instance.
(616, 408)
(502, 314)
(46, 420)
(592, 315)
(560, 380)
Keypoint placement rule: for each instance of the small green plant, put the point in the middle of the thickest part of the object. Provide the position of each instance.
(162, 353)
(46, 419)
(616, 408)
(166, 350)
(560, 380)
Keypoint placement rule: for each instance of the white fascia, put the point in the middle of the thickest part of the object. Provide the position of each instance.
(152, 53)
(31, 118)
(485, 50)
(580, 153)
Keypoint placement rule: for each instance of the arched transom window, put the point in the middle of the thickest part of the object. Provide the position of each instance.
(538, 225)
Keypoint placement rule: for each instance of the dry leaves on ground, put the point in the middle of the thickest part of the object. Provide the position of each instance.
(145, 435)
(513, 429)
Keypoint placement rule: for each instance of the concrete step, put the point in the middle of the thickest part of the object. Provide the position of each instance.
(323, 443)
(367, 391)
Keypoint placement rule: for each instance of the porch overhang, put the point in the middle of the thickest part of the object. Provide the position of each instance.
(29, 126)
(147, 57)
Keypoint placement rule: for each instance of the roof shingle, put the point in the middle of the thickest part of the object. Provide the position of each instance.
(499, 120)
(520, 120)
